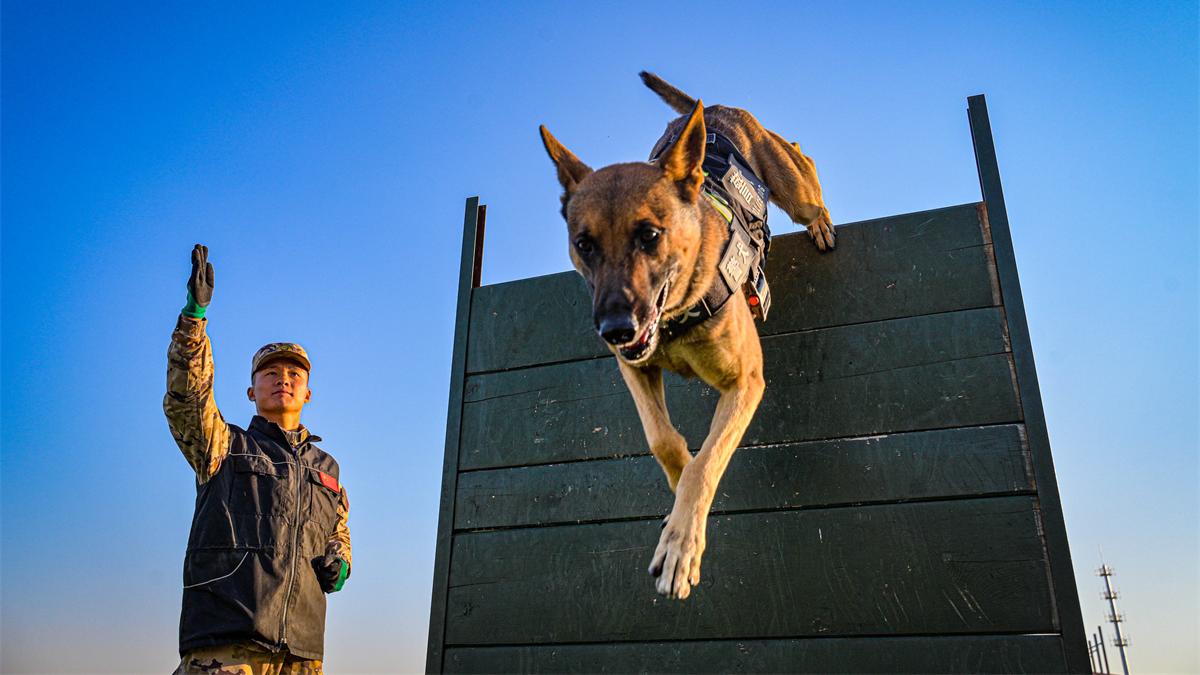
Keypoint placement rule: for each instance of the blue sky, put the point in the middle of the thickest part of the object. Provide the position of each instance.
(323, 152)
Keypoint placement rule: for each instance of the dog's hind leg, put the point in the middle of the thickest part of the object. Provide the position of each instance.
(666, 444)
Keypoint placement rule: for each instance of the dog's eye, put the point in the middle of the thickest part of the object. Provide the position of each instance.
(648, 236)
(584, 245)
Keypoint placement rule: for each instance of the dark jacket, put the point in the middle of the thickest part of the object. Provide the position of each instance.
(265, 507)
(260, 522)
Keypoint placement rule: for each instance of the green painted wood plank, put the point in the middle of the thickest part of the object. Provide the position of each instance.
(906, 265)
(912, 466)
(945, 567)
(928, 372)
(942, 654)
(527, 322)
(919, 263)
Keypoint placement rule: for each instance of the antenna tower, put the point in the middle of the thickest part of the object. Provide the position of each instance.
(1115, 617)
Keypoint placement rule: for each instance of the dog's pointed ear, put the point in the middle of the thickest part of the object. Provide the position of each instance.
(570, 169)
(682, 161)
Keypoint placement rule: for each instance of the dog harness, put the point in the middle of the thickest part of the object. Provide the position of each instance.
(741, 198)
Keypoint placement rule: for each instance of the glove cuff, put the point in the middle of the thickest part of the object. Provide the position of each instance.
(193, 308)
(343, 573)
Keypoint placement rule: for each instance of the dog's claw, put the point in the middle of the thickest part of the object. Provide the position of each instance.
(822, 233)
(823, 241)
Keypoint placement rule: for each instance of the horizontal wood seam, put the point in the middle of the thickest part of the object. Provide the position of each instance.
(774, 444)
(754, 638)
(1022, 492)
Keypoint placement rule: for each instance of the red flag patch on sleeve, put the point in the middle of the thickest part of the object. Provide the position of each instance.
(329, 481)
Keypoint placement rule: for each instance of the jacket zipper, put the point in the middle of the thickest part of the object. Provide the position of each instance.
(295, 543)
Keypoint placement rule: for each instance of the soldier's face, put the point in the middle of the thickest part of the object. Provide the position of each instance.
(281, 386)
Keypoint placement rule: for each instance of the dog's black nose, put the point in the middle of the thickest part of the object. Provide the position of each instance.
(617, 330)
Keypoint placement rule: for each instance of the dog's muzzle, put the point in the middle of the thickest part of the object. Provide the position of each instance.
(639, 345)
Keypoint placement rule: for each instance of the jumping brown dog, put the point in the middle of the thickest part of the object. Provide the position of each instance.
(648, 246)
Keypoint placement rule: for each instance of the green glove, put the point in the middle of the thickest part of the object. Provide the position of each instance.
(332, 572)
(200, 284)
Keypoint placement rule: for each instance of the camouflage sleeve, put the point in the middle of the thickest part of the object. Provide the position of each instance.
(198, 427)
(339, 541)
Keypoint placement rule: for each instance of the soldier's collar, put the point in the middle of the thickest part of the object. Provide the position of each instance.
(277, 432)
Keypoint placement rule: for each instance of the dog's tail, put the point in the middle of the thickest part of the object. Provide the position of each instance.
(679, 101)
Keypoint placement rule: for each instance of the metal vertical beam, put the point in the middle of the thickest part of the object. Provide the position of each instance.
(468, 279)
(1103, 650)
(1062, 575)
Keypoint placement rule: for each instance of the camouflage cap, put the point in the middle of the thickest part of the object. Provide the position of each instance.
(276, 351)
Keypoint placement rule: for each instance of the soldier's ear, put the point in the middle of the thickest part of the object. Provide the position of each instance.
(308, 396)
(250, 393)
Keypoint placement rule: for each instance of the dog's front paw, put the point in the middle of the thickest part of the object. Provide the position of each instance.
(821, 231)
(676, 561)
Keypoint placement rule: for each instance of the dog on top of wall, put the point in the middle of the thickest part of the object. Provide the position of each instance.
(649, 238)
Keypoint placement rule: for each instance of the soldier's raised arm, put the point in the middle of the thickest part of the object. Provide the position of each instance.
(197, 425)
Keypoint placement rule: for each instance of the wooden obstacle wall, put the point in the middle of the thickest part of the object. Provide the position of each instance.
(893, 507)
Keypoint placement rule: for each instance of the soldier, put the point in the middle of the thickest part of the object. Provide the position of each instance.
(269, 535)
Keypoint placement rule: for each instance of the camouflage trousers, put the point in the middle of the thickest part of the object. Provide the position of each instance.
(245, 659)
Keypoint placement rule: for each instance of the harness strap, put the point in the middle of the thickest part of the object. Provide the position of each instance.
(737, 194)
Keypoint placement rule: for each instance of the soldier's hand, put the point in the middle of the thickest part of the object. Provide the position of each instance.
(331, 571)
(200, 284)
